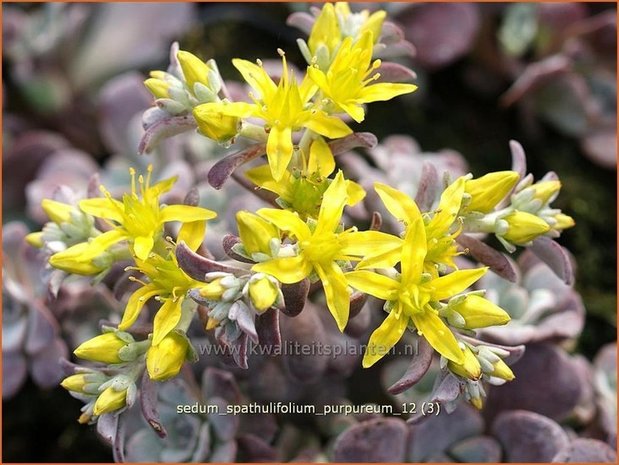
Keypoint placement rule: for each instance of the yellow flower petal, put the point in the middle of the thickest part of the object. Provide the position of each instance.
(288, 270)
(166, 319)
(414, 251)
(103, 348)
(455, 282)
(385, 91)
(384, 338)
(286, 221)
(192, 233)
(333, 202)
(437, 334)
(103, 208)
(320, 158)
(142, 246)
(355, 193)
(279, 150)
(400, 205)
(374, 284)
(185, 213)
(448, 208)
(336, 291)
(368, 243)
(256, 77)
(524, 227)
(135, 303)
(328, 126)
(326, 30)
(255, 232)
(263, 293)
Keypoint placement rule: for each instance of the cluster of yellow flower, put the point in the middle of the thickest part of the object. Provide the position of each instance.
(414, 273)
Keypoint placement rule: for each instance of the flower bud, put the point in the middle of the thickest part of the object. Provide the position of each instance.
(103, 348)
(470, 368)
(545, 190)
(214, 124)
(479, 312)
(194, 69)
(255, 233)
(35, 239)
(165, 360)
(263, 292)
(58, 212)
(72, 260)
(157, 87)
(501, 370)
(524, 227)
(75, 383)
(486, 192)
(562, 222)
(110, 400)
(212, 290)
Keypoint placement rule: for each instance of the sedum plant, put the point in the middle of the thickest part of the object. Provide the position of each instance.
(314, 253)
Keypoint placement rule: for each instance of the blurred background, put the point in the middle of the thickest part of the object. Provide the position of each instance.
(542, 74)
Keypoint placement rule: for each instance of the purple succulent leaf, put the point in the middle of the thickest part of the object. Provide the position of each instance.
(45, 366)
(536, 75)
(391, 33)
(429, 184)
(163, 129)
(267, 327)
(446, 390)
(586, 450)
(566, 323)
(489, 256)
(480, 449)
(377, 440)
(13, 332)
(357, 301)
(295, 296)
(118, 447)
(547, 382)
(262, 425)
(120, 100)
(220, 383)
(376, 222)
(306, 329)
(14, 373)
(56, 278)
(223, 169)
(42, 328)
(358, 326)
(229, 241)
(396, 50)
(395, 72)
(23, 159)
(149, 405)
(224, 426)
(519, 159)
(441, 33)
(224, 452)
(555, 257)
(245, 318)
(239, 350)
(302, 21)
(528, 436)
(203, 446)
(355, 140)
(600, 146)
(254, 449)
(420, 364)
(436, 434)
(107, 425)
(197, 266)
